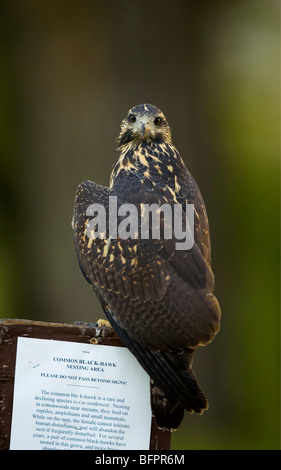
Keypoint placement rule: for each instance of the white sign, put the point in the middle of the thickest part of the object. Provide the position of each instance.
(79, 396)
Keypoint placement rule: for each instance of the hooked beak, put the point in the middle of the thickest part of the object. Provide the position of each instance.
(144, 128)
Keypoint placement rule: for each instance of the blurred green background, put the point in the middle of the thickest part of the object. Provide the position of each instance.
(69, 72)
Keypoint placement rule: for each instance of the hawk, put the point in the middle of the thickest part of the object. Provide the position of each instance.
(158, 299)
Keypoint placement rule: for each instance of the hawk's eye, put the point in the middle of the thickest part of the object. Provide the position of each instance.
(132, 118)
(158, 121)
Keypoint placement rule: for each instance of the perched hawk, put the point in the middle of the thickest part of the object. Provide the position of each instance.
(157, 298)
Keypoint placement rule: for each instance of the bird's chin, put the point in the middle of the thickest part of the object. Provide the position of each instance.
(144, 137)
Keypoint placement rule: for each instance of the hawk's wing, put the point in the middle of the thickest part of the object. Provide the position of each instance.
(150, 293)
(136, 268)
(126, 267)
(147, 281)
(193, 265)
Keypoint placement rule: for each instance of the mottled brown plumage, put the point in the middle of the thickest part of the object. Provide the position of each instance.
(158, 299)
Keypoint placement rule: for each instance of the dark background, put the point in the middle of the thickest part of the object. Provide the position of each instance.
(69, 72)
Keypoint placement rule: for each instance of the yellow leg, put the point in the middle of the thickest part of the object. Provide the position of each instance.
(101, 322)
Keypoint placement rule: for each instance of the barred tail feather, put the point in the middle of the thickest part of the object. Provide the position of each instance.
(176, 385)
(168, 413)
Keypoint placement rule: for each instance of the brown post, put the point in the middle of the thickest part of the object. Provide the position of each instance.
(10, 330)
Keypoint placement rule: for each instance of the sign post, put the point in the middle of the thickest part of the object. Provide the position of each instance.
(72, 387)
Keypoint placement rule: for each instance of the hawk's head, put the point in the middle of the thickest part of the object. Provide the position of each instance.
(144, 123)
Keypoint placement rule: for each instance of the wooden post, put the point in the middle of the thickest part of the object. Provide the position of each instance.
(10, 330)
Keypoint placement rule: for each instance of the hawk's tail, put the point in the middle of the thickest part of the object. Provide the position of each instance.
(168, 413)
(174, 386)
(174, 389)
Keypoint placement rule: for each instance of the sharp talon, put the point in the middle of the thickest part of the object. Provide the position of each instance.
(94, 341)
